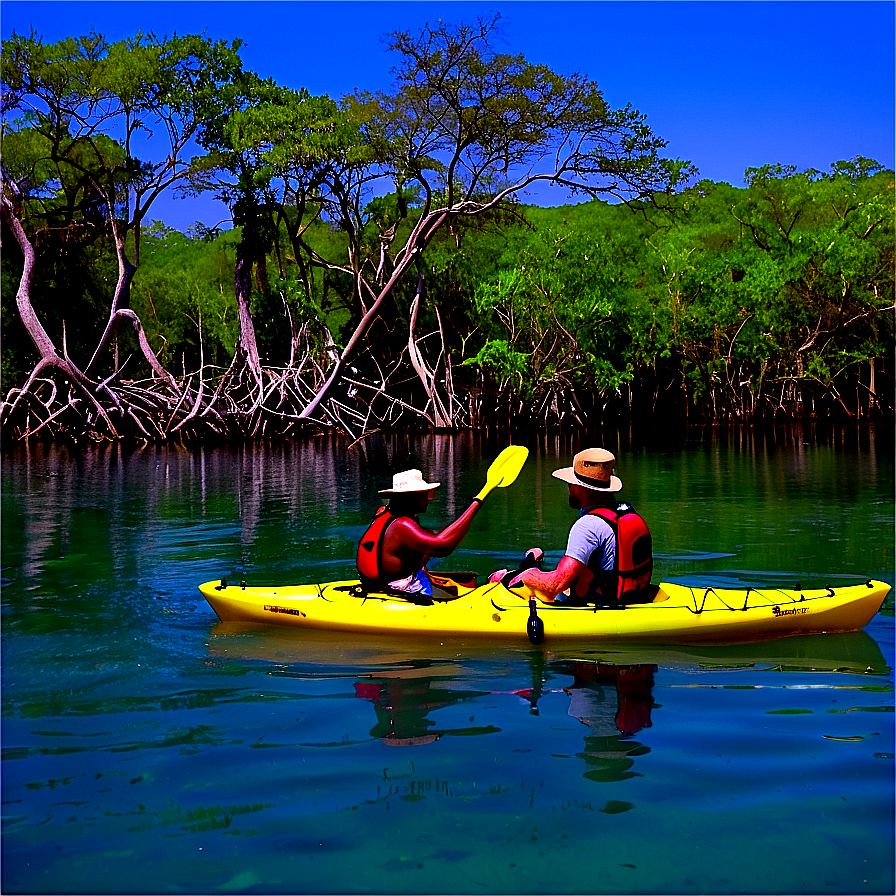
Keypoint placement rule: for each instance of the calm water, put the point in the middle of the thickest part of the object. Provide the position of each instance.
(150, 749)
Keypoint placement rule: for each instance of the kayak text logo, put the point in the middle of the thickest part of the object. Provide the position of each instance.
(289, 610)
(797, 611)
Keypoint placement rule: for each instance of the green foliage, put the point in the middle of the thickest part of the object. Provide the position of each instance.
(87, 107)
(183, 294)
(553, 314)
(92, 133)
(790, 278)
(465, 117)
(501, 360)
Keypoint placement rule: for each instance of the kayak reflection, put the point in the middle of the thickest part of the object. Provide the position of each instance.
(609, 688)
(614, 703)
(321, 652)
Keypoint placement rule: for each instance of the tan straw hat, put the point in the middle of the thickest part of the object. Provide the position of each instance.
(592, 468)
(408, 481)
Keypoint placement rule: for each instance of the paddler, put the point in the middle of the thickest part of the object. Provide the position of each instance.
(609, 554)
(393, 551)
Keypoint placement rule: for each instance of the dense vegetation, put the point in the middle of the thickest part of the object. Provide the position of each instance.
(443, 301)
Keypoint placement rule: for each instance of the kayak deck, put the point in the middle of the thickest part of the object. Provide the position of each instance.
(678, 613)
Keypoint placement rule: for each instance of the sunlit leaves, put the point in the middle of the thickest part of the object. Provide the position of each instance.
(559, 304)
(498, 357)
(788, 280)
(93, 133)
(91, 101)
(295, 129)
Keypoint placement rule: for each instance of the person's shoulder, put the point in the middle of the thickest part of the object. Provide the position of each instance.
(591, 522)
(403, 529)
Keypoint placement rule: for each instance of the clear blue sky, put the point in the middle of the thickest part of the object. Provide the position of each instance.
(730, 85)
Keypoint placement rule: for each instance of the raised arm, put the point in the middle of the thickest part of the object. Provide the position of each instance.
(407, 532)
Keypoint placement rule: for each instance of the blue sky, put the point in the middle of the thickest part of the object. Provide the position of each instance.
(730, 85)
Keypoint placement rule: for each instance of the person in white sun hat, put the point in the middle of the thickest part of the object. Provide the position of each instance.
(609, 553)
(392, 553)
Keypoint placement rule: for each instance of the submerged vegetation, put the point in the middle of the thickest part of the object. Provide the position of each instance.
(383, 271)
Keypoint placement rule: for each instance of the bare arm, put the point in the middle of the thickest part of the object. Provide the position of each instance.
(549, 584)
(407, 532)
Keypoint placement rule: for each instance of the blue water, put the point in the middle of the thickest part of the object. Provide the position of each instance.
(149, 748)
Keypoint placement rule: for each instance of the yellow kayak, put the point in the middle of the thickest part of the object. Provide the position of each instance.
(677, 614)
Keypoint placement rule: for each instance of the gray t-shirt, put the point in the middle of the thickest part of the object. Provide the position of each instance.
(588, 534)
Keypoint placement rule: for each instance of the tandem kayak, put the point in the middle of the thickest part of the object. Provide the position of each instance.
(678, 614)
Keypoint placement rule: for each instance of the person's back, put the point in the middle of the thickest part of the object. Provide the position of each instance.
(592, 542)
(382, 556)
(619, 573)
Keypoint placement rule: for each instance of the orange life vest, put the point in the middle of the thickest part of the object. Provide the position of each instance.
(634, 557)
(370, 553)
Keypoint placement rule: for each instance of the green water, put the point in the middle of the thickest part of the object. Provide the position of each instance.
(148, 748)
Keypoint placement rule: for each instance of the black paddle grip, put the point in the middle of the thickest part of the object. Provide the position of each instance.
(528, 562)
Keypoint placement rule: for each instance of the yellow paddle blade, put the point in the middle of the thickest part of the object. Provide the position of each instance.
(504, 469)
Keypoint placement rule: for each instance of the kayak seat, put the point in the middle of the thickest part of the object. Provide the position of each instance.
(442, 592)
(650, 594)
(444, 579)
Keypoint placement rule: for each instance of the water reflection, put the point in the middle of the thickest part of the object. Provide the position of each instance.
(613, 703)
(403, 705)
(240, 647)
(422, 693)
(847, 652)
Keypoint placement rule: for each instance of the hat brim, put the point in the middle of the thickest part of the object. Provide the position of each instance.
(568, 474)
(421, 487)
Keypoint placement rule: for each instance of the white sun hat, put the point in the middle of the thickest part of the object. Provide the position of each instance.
(408, 481)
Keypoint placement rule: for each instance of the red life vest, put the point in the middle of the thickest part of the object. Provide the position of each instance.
(370, 553)
(634, 557)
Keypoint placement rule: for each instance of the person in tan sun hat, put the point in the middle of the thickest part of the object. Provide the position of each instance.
(392, 553)
(609, 553)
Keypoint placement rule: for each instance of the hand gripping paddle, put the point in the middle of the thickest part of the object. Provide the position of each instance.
(504, 469)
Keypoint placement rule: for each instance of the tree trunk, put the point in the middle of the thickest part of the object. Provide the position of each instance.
(36, 331)
(440, 417)
(49, 357)
(243, 288)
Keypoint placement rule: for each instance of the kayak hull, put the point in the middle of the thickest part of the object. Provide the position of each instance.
(678, 614)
